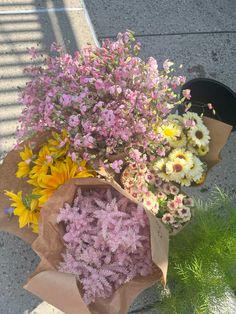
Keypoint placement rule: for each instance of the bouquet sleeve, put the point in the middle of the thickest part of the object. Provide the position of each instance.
(219, 134)
(62, 290)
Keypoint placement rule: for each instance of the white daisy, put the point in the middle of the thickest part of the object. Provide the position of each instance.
(192, 116)
(175, 118)
(199, 135)
(180, 141)
(182, 154)
(160, 168)
(196, 171)
(176, 169)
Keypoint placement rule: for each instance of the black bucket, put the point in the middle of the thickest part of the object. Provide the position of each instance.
(204, 91)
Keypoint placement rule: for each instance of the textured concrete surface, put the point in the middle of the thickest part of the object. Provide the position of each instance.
(20, 30)
(196, 33)
(147, 17)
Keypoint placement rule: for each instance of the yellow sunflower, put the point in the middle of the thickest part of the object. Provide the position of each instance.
(59, 144)
(26, 208)
(42, 164)
(24, 165)
(60, 172)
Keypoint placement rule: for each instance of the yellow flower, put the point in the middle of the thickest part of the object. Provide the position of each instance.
(179, 141)
(170, 131)
(202, 179)
(26, 209)
(24, 166)
(59, 144)
(35, 228)
(42, 164)
(60, 173)
(203, 150)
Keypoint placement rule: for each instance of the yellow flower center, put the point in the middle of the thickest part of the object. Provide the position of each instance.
(169, 132)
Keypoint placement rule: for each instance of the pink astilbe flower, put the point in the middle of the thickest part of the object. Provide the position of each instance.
(107, 241)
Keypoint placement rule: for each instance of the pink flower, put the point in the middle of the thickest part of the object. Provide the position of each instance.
(65, 100)
(161, 151)
(55, 47)
(168, 219)
(178, 199)
(74, 121)
(108, 117)
(186, 93)
(174, 190)
(73, 156)
(88, 141)
(33, 52)
(49, 159)
(117, 165)
(209, 105)
(99, 84)
(150, 178)
(189, 123)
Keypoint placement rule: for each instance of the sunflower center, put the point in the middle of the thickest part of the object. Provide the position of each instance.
(177, 168)
(199, 135)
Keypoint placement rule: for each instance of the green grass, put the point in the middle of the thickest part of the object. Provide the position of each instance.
(202, 259)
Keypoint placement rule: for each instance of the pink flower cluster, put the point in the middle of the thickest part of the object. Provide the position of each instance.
(106, 98)
(163, 199)
(107, 241)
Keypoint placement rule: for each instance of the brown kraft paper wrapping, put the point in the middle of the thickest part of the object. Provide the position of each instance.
(61, 289)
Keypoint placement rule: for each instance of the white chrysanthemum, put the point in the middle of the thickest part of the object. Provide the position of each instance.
(160, 168)
(180, 141)
(170, 130)
(192, 116)
(195, 173)
(176, 169)
(175, 118)
(185, 181)
(182, 154)
(199, 135)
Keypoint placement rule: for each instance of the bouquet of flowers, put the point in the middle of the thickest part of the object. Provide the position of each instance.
(103, 121)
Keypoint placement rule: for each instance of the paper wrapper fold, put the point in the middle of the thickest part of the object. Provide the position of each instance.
(62, 290)
(219, 134)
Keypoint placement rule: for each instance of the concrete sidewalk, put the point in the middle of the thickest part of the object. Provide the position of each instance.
(24, 24)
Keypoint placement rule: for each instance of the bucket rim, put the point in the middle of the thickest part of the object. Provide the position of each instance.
(210, 80)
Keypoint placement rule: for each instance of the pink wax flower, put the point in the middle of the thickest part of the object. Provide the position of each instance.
(187, 93)
(74, 121)
(117, 165)
(99, 84)
(65, 100)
